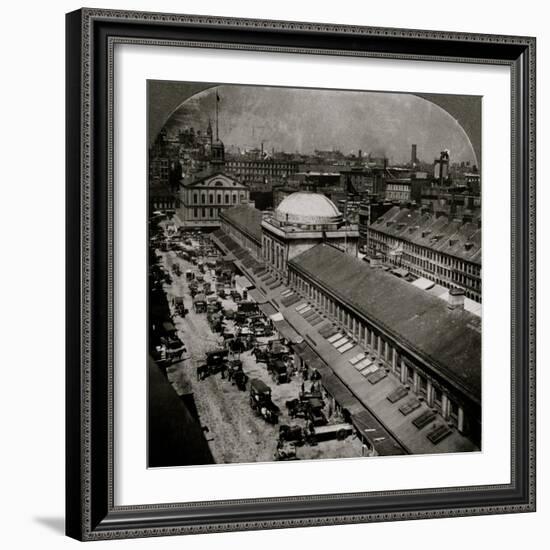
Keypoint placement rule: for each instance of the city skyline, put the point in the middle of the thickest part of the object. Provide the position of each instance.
(298, 120)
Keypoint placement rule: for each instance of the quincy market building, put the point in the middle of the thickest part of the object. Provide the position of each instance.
(403, 364)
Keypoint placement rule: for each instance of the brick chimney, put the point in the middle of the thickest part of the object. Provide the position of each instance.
(456, 299)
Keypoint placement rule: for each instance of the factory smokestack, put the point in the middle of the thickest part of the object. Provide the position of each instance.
(414, 159)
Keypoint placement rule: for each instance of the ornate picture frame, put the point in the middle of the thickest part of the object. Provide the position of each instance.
(90, 508)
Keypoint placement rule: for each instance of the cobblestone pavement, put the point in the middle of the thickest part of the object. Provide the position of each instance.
(234, 432)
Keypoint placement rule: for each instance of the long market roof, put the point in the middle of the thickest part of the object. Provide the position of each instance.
(448, 339)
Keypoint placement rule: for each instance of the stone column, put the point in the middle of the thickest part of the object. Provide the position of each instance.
(460, 420)
(430, 394)
(445, 406)
(416, 382)
(403, 372)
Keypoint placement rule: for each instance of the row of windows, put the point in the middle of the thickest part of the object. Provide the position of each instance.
(420, 255)
(432, 261)
(251, 165)
(225, 198)
(164, 204)
(436, 278)
(397, 188)
(436, 272)
(273, 253)
(206, 213)
(428, 253)
(264, 171)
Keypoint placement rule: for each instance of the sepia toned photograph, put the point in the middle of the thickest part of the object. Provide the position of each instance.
(314, 274)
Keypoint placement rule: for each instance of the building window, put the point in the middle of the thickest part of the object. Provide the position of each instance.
(195, 198)
(227, 199)
(204, 212)
(210, 198)
(195, 212)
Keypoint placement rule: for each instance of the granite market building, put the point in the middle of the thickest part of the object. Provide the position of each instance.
(302, 220)
(402, 365)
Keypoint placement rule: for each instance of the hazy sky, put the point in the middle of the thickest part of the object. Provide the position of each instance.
(302, 120)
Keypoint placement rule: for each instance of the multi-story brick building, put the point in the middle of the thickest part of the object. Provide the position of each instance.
(260, 173)
(443, 247)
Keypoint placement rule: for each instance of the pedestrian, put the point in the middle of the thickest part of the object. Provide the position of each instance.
(303, 388)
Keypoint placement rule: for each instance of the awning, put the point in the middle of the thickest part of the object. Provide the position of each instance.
(286, 330)
(313, 361)
(257, 295)
(243, 282)
(333, 385)
(299, 348)
(267, 309)
(423, 283)
(400, 272)
(369, 428)
(341, 393)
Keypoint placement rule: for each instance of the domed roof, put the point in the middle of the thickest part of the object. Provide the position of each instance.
(307, 208)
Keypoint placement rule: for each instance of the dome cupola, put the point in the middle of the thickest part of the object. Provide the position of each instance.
(307, 208)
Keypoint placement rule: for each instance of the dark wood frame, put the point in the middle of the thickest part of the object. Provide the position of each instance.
(91, 514)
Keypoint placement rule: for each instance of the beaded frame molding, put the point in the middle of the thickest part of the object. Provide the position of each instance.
(90, 510)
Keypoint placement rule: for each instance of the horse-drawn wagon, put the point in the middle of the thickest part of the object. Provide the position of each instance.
(260, 401)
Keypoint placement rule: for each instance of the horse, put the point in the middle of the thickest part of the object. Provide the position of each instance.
(203, 371)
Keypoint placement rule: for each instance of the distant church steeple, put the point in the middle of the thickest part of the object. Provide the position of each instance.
(217, 158)
(209, 132)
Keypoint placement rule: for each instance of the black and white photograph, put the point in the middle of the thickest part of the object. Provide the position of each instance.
(272, 284)
(314, 274)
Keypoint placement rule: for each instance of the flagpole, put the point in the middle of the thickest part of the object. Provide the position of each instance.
(217, 101)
